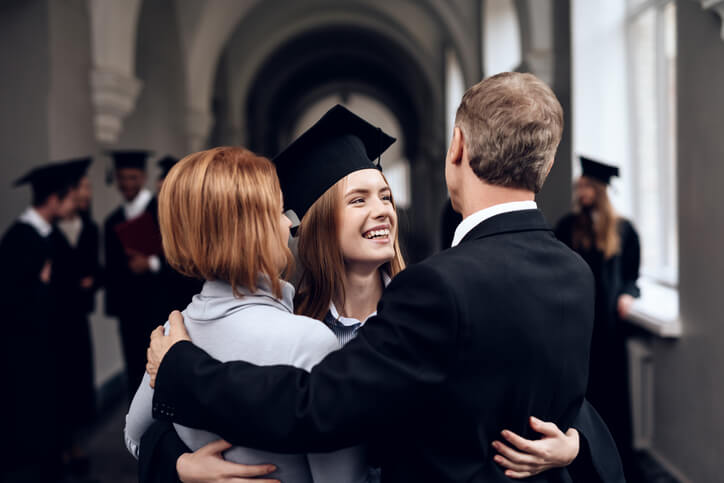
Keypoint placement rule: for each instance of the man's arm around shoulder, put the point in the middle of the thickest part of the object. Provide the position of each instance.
(409, 346)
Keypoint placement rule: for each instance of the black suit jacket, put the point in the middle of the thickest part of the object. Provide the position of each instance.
(466, 343)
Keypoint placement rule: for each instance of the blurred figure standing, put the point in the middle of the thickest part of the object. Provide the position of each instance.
(30, 442)
(179, 289)
(134, 286)
(76, 279)
(610, 246)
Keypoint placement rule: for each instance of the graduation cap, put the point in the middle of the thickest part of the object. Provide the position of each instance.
(77, 168)
(596, 170)
(166, 163)
(48, 179)
(338, 144)
(135, 158)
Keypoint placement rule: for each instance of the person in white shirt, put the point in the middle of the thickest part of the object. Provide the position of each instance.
(133, 281)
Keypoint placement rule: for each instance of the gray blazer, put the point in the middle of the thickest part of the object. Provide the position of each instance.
(263, 330)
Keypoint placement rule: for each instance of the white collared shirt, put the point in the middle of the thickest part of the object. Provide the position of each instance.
(351, 321)
(134, 208)
(479, 216)
(71, 229)
(33, 218)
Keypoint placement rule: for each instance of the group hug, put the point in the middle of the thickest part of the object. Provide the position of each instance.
(337, 363)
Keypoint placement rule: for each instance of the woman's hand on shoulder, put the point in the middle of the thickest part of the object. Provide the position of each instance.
(207, 465)
(530, 457)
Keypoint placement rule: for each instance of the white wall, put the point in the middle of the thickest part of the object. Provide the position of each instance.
(501, 42)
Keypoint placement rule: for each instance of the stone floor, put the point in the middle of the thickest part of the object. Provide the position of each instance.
(110, 461)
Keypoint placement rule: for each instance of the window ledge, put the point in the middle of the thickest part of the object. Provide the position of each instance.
(657, 310)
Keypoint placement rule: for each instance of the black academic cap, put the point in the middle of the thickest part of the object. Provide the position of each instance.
(600, 171)
(135, 158)
(48, 178)
(77, 168)
(338, 144)
(166, 163)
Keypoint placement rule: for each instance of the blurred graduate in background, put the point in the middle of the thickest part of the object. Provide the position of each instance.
(133, 281)
(31, 439)
(610, 246)
(76, 277)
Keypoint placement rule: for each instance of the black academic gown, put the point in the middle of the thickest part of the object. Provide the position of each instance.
(138, 300)
(466, 343)
(608, 387)
(30, 441)
(71, 330)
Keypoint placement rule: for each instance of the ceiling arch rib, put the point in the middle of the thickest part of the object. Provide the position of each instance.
(246, 62)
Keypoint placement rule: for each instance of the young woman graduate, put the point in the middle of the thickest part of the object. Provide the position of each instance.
(610, 246)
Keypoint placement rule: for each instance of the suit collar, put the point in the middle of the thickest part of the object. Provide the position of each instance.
(515, 221)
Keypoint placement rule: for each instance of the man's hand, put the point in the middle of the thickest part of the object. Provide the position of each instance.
(160, 343)
(625, 302)
(46, 272)
(553, 450)
(137, 262)
(206, 465)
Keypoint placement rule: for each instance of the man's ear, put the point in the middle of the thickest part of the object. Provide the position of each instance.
(455, 151)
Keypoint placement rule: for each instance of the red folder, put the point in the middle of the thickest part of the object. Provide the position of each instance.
(141, 234)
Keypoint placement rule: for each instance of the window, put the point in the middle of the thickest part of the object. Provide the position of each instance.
(651, 41)
(624, 99)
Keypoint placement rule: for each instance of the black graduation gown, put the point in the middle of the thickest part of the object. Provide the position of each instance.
(453, 357)
(30, 432)
(138, 300)
(72, 334)
(608, 386)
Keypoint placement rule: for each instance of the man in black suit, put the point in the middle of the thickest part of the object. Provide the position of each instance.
(133, 280)
(466, 343)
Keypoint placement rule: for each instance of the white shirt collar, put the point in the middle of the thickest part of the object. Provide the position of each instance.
(71, 229)
(137, 206)
(479, 216)
(347, 321)
(33, 218)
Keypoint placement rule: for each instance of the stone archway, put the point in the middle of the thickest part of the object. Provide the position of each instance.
(347, 58)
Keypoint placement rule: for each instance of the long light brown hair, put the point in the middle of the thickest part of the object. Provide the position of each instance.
(598, 226)
(219, 212)
(321, 258)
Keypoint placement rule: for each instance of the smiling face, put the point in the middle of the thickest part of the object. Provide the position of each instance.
(130, 182)
(367, 222)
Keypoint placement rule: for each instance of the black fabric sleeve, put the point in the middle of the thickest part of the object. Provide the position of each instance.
(116, 267)
(160, 448)
(630, 259)
(408, 347)
(598, 459)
